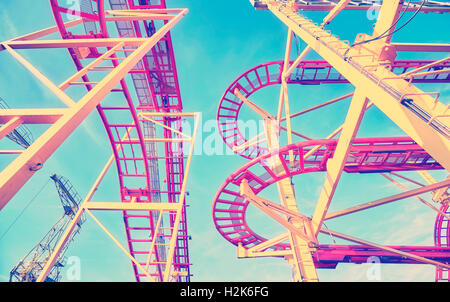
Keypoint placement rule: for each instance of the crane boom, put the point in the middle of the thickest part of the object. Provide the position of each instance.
(29, 267)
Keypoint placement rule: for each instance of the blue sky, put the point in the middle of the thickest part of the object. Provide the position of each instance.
(214, 43)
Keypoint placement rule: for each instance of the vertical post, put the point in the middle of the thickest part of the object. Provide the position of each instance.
(66, 235)
(284, 97)
(174, 237)
(302, 262)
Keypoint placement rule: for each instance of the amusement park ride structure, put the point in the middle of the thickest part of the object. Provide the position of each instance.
(129, 45)
(370, 65)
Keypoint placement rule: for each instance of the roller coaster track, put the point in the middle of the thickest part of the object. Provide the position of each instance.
(306, 73)
(156, 85)
(388, 84)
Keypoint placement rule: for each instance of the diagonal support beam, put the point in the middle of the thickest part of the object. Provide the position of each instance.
(49, 84)
(88, 68)
(417, 197)
(384, 248)
(110, 235)
(335, 166)
(181, 201)
(269, 208)
(43, 32)
(380, 84)
(22, 168)
(400, 196)
(69, 229)
(10, 126)
(260, 111)
(302, 262)
(260, 250)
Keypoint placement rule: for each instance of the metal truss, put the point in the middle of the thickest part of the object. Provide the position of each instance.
(147, 133)
(30, 267)
(381, 81)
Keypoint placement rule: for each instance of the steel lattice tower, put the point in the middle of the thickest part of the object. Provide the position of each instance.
(121, 50)
(30, 267)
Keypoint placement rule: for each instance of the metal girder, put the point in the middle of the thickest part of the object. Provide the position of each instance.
(359, 5)
(385, 248)
(87, 206)
(24, 166)
(364, 64)
(396, 197)
(382, 87)
(335, 166)
(301, 261)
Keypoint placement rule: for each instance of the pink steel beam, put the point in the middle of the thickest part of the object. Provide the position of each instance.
(162, 93)
(307, 73)
(442, 239)
(367, 155)
(162, 77)
(326, 5)
(328, 256)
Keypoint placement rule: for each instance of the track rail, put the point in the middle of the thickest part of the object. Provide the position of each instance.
(307, 73)
(138, 162)
(442, 239)
(367, 155)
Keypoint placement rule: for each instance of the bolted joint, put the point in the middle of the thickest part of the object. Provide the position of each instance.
(36, 167)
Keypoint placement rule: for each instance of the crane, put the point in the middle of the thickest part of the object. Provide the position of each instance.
(21, 135)
(29, 267)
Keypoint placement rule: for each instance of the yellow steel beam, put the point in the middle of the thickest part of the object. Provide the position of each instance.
(268, 243)
(422, 47)
(335, 11)
(440, 195)
(10, 126)
(260, 111)
(32, 116)
(320, 105)
(73, 43)
(18, 172)
(389, 12)
(164, 126)
(132, 206)
(88, 68)
(71, 226)
(302, 263)
(425, 67)
(251, 142)
(269, 208)
(43, 32)
(386, 94)
(396, 197)
(49, 84)
(417, 197)
(335, 166)
(327, 20)
(120, 245)
(260, 250)
(181, 201)
(384, 248)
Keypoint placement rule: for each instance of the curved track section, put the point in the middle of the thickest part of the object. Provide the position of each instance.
(307, 73)
(442, 238)
(368, 155)
(137, 161)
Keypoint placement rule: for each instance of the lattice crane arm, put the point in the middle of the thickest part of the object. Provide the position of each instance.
(30, 267)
